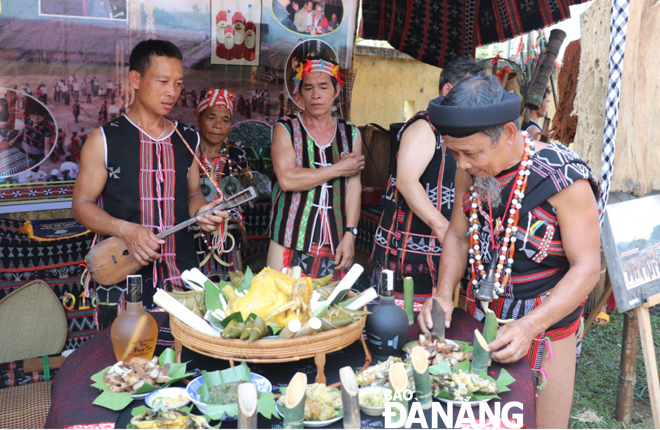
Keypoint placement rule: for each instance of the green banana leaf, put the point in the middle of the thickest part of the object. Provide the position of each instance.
(265, 403)
(118, 401)
(503, 381)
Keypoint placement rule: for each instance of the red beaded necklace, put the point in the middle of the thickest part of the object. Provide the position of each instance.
(504, 256)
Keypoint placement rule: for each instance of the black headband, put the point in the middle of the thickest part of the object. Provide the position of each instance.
(463, 121)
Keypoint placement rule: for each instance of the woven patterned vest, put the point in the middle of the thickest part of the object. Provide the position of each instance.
(317, 216)
(148, 185)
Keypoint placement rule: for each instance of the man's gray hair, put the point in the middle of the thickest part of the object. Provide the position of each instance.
(479, 91)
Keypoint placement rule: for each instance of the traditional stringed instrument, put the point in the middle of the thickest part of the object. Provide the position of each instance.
(109, 261)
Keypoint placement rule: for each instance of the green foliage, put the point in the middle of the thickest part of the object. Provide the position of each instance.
(598, 373)
(655, 234)
(253, 134)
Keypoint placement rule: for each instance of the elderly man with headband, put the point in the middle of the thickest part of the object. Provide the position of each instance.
(213, 118)
(526, 231)
(317, 161)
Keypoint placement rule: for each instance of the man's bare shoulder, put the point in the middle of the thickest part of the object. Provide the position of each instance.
(419, 129)
(93, 150)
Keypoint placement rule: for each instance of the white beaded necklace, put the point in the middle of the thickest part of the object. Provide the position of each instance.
(491, 285)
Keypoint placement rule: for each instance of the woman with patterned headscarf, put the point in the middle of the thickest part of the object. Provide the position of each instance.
(213, 118)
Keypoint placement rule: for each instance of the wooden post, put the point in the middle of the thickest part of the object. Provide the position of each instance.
(624, 392)
(607, 292)
(650, 360)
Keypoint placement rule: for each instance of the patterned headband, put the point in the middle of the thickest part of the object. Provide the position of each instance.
(221, 98)
(309, 66)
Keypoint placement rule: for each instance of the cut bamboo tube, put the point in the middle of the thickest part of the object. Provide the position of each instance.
(350, 398)
(296, 272)
(490, 329)
(480, 354)
(409, 298)
(310, 327)
(290, 330)
(399, 382)
(420, 364)
(247, 406)
(188, 317)
(294, 402)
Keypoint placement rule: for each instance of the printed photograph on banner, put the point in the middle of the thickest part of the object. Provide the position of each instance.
(638, 242)
(307, 17)
(307, 49)
(28, 137)
(80, 72)
(94, 9)
(235, 32)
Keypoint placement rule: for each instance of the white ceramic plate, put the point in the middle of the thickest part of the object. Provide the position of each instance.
(374, 411)
(140, 396)
(263, 385)
(312, 424)
(167, 392)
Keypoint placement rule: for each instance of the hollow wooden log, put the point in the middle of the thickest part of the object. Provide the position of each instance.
(293, 408)
(247, 406)
(420, 364)
(350, 398)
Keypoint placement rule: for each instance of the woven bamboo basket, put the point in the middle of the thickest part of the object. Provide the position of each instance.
(270, 350)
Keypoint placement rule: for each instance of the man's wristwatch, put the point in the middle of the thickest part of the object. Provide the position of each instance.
(353, 230)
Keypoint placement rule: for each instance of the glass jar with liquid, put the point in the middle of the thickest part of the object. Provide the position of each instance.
(134, 333)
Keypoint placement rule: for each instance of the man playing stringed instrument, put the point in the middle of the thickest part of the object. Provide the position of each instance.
(138, 177)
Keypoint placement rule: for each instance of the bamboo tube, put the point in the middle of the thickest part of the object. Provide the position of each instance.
(310, 327)
(409, 298)
(294, 402)
(290, 330)
(480, 354)
(490, 329)
(350, 398)
(399, 382)
(188, 317)
(296, 272)
(247, 406)
(361, 300)
(245, 334)
(258, 329)
(420, 364)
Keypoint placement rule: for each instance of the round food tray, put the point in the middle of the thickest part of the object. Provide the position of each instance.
(270, 350)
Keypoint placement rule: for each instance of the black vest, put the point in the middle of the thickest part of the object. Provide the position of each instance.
(148, 185)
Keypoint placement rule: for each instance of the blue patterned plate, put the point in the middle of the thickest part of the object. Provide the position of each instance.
(263, 385)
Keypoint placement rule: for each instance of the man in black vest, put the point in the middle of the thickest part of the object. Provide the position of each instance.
(138, 177)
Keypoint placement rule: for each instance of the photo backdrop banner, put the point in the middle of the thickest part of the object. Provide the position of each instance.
(64, 71)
